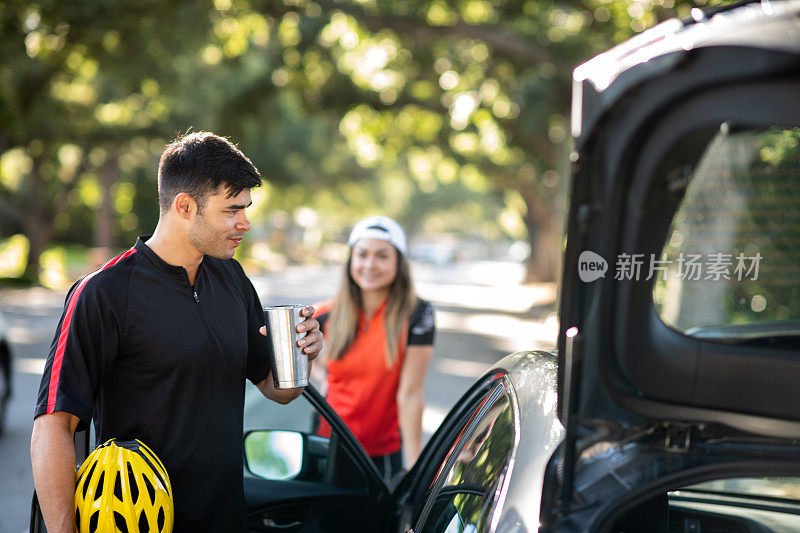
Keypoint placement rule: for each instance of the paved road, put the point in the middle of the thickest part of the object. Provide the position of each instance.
(482, 314)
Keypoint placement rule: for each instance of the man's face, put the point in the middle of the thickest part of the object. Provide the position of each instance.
(219, 228)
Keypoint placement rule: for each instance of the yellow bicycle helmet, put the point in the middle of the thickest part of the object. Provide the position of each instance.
(123, 487)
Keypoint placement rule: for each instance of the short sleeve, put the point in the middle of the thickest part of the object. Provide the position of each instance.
(258, 347)
(421, 325)
(85, 344)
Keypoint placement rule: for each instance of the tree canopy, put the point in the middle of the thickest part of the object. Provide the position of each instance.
(449, 116)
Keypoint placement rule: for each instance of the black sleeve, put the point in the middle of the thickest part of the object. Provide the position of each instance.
(258, 349)
(85, 345)
(421, 325)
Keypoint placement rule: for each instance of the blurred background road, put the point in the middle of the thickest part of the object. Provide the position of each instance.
(482, 310)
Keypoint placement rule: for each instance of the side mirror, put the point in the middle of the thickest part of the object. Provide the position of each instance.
(274, 454)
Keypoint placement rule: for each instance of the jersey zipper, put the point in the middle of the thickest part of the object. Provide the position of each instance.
(202, 317)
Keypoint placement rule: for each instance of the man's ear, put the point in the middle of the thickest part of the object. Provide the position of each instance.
(184, 205)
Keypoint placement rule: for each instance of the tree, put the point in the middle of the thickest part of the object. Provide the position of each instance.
(345, 105)
(77, 89)
(472, 90)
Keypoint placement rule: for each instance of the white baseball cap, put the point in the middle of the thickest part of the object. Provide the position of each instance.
(379, 227)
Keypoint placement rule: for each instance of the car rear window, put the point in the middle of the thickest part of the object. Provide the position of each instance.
(769, 487)
(730, 269)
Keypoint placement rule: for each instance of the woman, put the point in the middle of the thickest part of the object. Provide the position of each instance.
(379, 340)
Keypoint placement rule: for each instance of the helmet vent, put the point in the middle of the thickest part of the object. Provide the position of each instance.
(99, 490)
(118, 487)
(87, 477)
(133, 485)
(154, 463)
(78, 518)
(122, 525)
(150, 489)
(160, 521)
(93, 521)
(144, 527)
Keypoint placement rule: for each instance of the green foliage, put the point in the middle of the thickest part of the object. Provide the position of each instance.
(419, 109)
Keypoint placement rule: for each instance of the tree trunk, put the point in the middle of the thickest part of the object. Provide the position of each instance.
(544, 232)
(38, 239)
(104, 217)
(541, 264)
(546, 209)
(38, 226)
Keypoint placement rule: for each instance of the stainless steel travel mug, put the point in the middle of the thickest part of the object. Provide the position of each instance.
(288, 363)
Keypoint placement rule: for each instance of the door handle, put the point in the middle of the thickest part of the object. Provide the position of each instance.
(272, 524)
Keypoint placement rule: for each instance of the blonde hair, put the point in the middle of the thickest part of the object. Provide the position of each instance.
(347, 302)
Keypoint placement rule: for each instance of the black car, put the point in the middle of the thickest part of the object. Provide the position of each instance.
(673, 402)
(5, 371)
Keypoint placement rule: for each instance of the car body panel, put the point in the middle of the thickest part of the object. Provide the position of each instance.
(534, 377)
(6, 365)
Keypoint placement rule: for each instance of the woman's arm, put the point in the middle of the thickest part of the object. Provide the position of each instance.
(411, 400)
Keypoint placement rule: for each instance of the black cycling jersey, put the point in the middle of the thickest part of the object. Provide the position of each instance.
(146, 355)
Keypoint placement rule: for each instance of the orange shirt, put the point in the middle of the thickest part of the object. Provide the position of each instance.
(361, 388)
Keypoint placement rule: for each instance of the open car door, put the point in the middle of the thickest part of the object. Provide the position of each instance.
(299, 481)
(296, 480)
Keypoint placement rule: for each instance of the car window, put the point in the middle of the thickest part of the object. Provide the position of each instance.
(469, 481)
(737, 504)
(787, 488)
(730, 269)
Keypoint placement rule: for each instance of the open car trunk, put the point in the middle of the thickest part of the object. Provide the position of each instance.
(680, 313)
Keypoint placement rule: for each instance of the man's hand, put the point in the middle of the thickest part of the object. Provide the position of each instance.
(312, 343)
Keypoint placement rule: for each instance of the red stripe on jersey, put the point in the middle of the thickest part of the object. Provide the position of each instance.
(58, 358)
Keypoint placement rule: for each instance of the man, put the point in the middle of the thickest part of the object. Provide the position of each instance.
(156, 345)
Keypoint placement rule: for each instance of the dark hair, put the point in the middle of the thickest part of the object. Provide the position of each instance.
(198, 163)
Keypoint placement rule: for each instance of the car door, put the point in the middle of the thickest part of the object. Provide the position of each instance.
(332, 485)
(296, 480)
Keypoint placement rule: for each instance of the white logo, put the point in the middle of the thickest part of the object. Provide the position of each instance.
(685, 267)
(591, 266)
